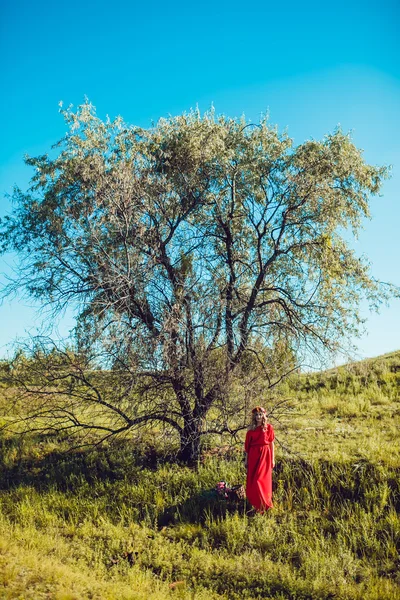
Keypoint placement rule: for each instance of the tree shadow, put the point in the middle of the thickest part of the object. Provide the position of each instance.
(28, 461)
(200, 507)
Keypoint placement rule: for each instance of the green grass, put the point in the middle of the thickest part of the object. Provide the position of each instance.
(119, 522)
(106, 522)
(349, 413)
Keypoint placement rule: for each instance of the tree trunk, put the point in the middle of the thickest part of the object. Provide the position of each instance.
(190, 441)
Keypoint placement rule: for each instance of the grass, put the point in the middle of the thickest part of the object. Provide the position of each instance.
(349, 413)
(119, 522)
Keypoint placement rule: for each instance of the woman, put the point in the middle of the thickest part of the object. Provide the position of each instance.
(260, 460)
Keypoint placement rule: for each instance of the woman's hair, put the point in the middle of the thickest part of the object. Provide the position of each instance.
(264, 420)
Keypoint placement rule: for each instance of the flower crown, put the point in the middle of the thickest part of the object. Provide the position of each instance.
(258, 409)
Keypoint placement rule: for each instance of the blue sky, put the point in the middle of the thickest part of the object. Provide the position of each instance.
(311, 66)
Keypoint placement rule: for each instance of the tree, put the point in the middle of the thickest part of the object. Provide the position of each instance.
(195, 252)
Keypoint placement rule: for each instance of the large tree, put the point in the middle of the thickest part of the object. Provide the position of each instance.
(196, 253)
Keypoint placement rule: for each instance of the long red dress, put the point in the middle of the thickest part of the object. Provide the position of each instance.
(259, 467)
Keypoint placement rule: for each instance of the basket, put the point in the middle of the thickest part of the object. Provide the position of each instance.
(237, 493)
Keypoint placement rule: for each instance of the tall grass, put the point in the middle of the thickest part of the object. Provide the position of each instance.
(115, 528)
(121, 522)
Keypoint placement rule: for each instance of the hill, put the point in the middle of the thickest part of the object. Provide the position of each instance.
(119, 522)
(347, 413)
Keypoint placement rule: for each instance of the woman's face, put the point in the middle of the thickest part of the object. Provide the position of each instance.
(258, 417)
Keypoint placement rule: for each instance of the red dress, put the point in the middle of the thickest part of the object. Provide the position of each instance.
(259, 467)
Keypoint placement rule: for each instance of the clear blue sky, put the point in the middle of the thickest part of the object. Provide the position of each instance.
(311, 66)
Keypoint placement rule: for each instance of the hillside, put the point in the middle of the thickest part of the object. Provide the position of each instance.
(118, 522)
(350, 412)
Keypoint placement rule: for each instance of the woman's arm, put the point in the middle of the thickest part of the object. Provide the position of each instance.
(273, 454)
(246, 449)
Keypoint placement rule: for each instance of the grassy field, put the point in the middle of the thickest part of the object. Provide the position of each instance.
(119, 522)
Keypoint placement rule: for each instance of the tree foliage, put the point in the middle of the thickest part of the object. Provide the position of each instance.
(197, 253)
